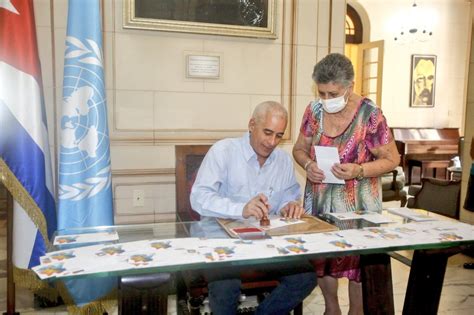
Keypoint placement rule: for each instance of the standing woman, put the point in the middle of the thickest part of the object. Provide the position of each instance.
(356, 127)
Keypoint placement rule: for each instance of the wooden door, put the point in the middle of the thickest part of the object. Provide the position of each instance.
(369, 70)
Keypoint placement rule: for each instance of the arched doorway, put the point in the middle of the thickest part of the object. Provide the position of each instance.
(367, 57)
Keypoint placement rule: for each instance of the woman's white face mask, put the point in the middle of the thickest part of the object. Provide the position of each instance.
(334, 105)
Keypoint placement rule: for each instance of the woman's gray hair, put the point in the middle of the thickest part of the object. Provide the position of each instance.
(335, 68)
(262, 109)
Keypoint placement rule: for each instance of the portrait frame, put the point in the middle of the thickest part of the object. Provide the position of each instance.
(265, 14)
(423, 80)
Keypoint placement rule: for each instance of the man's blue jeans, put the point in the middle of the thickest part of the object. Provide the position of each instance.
(296, 283)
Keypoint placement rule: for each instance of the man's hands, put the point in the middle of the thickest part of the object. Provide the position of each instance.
(259, 207)
(292, 210)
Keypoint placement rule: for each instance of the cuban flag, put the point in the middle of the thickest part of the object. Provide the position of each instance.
(84, 193)
(25, 164)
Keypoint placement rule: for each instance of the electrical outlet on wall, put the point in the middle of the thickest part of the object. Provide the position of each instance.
(138, 198)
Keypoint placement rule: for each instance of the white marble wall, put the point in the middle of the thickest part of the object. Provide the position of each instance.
(153, 106)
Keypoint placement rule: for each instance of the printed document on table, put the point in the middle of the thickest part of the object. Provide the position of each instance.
(410, 214)
(327, 157)
(370, 216)
(86, 238)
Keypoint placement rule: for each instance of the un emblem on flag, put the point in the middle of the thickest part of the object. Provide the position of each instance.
(84, 162)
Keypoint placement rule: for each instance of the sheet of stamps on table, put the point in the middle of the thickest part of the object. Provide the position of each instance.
(119, 257)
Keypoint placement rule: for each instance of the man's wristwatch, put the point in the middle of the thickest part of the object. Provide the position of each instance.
(360, 176)
(307, 164)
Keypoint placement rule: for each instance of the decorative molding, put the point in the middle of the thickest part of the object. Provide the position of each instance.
(330, 25)
(238, 27)
(129, 141)
(144, 172)
(292, 73)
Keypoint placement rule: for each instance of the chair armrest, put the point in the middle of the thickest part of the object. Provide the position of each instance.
(414, 189)
(394, 179)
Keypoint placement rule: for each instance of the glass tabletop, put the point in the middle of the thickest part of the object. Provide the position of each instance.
(206, 230)
(209, 228)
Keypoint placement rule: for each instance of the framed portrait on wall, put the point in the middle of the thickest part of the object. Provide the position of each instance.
(248, 18)
(423, 80)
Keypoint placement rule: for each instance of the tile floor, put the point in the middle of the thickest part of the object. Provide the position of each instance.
(457, 296)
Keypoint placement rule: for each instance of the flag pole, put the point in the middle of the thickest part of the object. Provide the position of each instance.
(10, 283)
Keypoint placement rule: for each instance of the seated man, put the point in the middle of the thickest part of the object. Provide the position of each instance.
(245, 177)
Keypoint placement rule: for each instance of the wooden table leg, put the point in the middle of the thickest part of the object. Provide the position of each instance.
(426, 281)
(377, 287)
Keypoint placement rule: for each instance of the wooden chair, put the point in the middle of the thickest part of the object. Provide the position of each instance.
(424, 164)
(455, 172)
(192, 287)
(437, 195)
(393, 182)
(188, 161)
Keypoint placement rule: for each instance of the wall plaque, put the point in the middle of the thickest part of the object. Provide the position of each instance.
(203, 66)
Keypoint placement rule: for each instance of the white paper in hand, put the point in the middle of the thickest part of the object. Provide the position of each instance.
(327, 157)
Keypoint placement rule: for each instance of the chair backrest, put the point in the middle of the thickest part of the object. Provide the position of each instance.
(439, 196)
(188, 161)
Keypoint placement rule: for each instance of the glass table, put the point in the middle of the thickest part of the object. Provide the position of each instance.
(425, 282)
